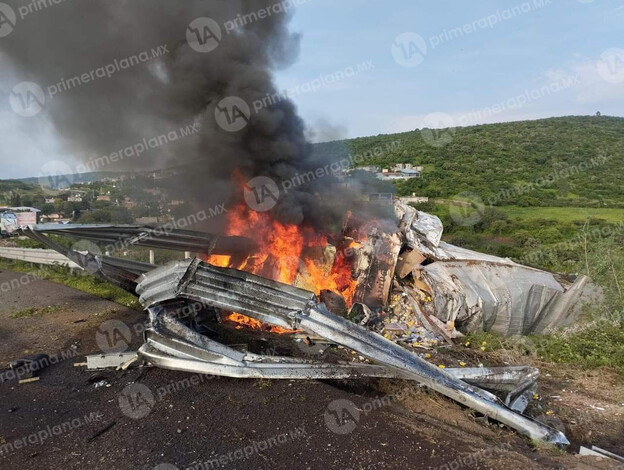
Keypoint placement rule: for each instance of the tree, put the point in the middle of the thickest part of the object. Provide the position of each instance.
(14, 198)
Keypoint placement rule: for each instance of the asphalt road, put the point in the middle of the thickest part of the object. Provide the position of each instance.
(150, 418)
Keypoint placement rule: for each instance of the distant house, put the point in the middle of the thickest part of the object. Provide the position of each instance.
(103, 198)
(176, 202)
(400, 171)
(50, 200)
(76, 195)
(23, 215)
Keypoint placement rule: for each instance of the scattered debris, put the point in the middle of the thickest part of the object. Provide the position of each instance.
(598, 452)
(100, 384)
(416, 291)
(112, 360)
(26, 381)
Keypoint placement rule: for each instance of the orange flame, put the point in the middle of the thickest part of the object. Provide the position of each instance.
(280, 257)
(243, 321)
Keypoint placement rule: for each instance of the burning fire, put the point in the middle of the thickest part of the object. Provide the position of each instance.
(283, 255)
(243, 321)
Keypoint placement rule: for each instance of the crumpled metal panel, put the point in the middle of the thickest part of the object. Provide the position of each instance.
(165, 236)
(121, 272)
(281, 304)
(172, 345)
(423, 232)
(224, 288)
(486, 293)
(426, 225)
(508, 300)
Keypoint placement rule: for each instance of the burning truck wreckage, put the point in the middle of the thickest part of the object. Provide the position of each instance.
(380, 293)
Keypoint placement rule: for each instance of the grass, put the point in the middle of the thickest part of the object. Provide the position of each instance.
(33, 311)
(80, 281)
(598, 345)
(563, 214)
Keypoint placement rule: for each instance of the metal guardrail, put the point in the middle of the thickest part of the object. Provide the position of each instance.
(37, 256)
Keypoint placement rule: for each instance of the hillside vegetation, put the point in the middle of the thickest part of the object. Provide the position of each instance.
(557, 185)
(567, 161)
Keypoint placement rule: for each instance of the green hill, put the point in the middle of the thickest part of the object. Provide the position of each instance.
(567, 161)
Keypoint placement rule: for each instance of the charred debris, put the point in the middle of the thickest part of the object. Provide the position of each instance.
(406, 291)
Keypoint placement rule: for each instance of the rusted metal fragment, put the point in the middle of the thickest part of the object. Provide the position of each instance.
(375, 269)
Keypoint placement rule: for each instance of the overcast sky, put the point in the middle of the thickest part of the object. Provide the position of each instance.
(378, 66)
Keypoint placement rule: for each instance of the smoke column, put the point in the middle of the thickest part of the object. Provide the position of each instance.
(190, 67)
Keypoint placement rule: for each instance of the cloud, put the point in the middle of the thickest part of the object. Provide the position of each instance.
(602, 78)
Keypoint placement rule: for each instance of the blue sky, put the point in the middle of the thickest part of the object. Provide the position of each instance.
(502, 53)
(435, 63)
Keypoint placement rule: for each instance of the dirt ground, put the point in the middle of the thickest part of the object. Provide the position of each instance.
(74, 418)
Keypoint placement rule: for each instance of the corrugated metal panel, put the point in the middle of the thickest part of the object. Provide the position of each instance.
(224, 288)
(165, 236)
(510, 300)
(37, 256)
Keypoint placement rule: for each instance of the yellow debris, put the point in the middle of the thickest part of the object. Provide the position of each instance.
(462, 364)
(442, 366)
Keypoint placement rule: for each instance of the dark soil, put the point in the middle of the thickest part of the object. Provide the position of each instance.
(190, 421)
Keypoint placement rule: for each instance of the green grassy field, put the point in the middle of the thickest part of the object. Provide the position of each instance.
(563, 214)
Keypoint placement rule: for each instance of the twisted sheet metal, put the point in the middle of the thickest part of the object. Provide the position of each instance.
(290, 307)
(164, 236)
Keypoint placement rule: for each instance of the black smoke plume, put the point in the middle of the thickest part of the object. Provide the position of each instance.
(54, 43)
